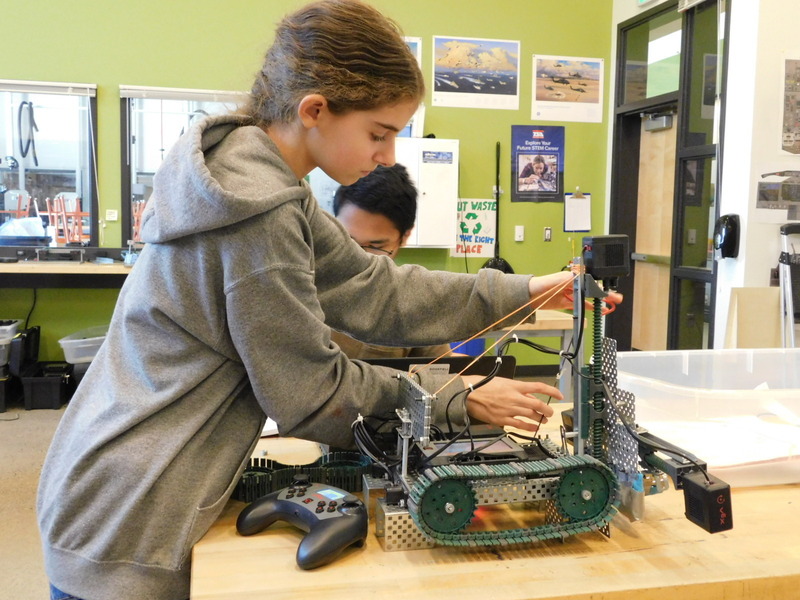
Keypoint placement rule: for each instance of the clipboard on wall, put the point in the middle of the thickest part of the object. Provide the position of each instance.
(577, 211)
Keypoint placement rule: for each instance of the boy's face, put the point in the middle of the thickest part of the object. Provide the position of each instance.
(349, 146)
(373, 232)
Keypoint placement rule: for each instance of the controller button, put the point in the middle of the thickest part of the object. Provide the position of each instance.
(308, 500)
(350, 500)
(319, 509)
(320, 503)
(333, 503)
(331, 508)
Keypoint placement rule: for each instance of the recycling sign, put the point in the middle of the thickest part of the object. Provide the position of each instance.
(476, 228)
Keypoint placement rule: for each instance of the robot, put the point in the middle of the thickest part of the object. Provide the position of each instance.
(435, 481)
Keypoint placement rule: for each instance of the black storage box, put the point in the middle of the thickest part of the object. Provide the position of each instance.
(44, 384)
(10, 388)
(47, 385)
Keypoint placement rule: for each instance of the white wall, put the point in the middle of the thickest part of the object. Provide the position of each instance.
(742, 137)
(765, 36)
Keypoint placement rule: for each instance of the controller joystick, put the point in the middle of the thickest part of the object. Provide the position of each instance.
(333, 519)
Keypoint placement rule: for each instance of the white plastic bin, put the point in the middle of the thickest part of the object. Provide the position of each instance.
(737, 409)
(5, 347)
(81, 346)
(8, 328)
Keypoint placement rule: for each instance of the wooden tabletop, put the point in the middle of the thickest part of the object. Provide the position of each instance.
(61, 267)
(662, 556)
(550, 319)
(62, 274)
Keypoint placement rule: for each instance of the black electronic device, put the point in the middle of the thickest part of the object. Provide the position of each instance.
(726, 236)
(607, 256)
(480, 449)
(708, 501)
(332, 518)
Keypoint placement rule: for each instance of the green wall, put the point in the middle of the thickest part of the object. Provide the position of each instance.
(212, 45)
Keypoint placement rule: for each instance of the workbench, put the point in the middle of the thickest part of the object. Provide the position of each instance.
(662, 556)
(62, 274)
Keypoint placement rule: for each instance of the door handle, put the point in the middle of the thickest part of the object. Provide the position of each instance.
(655, 259)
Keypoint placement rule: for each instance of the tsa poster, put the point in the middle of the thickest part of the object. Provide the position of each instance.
(537, 163)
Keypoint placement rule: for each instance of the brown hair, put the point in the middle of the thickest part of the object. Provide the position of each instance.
(345, 50)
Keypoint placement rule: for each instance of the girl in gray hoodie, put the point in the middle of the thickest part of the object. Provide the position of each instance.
(227, 315)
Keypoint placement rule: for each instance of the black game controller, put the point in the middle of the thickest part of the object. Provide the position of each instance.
(333, 519)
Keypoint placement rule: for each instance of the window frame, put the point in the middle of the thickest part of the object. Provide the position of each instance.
(129, 93)
(89, 91)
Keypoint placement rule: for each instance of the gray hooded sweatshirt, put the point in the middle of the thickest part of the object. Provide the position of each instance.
(225, 317)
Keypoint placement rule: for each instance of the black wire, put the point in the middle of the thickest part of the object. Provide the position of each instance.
(472, 452)
(534, 345)
(466, 429)
(30, 312)
(452, 440)
(30, 142)
(467, 390)
(368, 447)
(649, 443)
(538, 441)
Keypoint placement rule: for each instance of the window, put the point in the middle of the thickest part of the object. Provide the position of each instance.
(652, 58)
(47, 163)
(152, 120)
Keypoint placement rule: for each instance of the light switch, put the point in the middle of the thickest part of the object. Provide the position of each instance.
(112, 215)
(519, 233)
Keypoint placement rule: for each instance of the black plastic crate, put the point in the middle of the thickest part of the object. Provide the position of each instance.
(47, 385)
(10, 389)
(44, 384)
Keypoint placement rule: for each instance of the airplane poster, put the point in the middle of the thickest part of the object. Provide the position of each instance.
(475, 73)
(567, 89)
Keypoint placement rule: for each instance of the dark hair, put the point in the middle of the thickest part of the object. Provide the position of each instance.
(345, 50)
(387, 191)
(540, 159)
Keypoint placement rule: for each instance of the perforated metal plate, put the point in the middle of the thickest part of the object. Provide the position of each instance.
(419, 404)
(623, 450)
(396, 530)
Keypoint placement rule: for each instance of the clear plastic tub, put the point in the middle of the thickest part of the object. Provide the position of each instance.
(738, 409)
(8, 328)
(82, 346)
(5, 348)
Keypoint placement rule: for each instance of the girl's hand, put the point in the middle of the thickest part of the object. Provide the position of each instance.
(501, 401)
(554, 291)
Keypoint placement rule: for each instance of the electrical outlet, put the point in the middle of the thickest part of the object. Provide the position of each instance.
(112, 215)
(519, 233)
(692, 236)
(548, 234)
